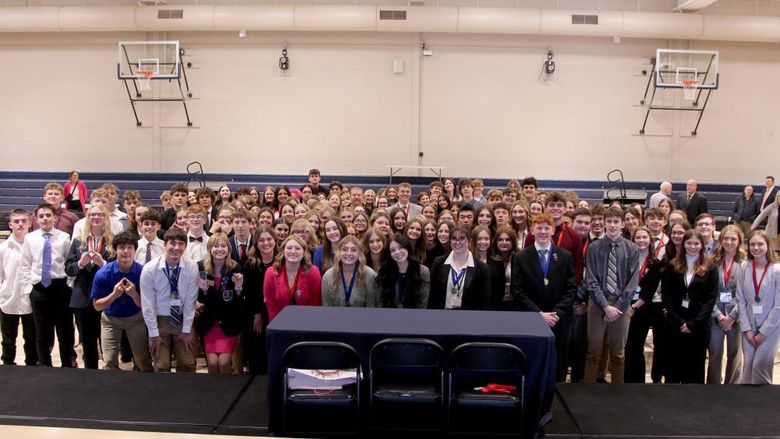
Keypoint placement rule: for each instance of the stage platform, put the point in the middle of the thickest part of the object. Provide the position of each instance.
(237, 405)
(664, 411)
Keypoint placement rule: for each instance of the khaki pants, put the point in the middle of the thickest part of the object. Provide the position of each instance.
(169, 336)
(111, 329)
(615, 334)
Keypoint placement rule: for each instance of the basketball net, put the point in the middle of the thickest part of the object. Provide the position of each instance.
(690, 86)
(145, 79)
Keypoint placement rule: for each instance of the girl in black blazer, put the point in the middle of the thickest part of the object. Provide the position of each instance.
(458, 279)
(500, 264)
(88, 253)
(219, 322)
(644, 311)
(689, 291)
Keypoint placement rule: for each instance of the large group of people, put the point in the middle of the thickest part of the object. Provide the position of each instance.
(208, 271)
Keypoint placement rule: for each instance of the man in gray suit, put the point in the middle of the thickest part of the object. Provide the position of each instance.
(404, 201)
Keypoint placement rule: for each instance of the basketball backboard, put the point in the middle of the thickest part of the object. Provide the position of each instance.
(160, 59)
(673, 68)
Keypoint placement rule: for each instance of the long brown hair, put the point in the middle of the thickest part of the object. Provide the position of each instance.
(702, 263)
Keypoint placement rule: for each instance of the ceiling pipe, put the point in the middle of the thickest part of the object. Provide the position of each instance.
(365, 18)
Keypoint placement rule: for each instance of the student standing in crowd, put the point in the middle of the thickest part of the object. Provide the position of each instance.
(502, 250)
(324, 254)
(221, 285)
(88, 254)
(543, 281)
(14, 304)
(293, 279)
(728, 258)
(641, 306)
(689, 289)
(403, 282)
(149, 246)
(612, 276)
(64, 219)
(260, 259)
(43, 277)
(349, 282)
(758, 298)
(458, 280)
(168, 296)
(115, 292)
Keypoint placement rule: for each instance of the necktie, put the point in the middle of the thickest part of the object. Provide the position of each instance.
(176, 314)
(242, 251)
(46, 264)
(148, 253)
(544, 264)
(612, 270)
(198, 238)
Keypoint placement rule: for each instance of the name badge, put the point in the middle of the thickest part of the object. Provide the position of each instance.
(758, 309)
(725, 297)
(636, 296)
(175, 302)
(456, 301)
(686, 303)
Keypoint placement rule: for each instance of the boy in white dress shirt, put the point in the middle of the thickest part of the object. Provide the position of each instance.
(15, 306)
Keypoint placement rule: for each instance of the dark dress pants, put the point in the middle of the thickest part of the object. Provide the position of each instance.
(51, 310)
(9, 325)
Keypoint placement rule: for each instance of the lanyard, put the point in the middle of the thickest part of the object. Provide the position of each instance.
(560, 236)
(291, 290)
(173, 277)
(585, 248)
(757, 283)
(643, 268)
(91, 246)
(727, 273)
(545, 263)
(348, 290)
(457, 279)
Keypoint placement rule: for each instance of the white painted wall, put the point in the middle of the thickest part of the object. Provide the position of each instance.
(476, 106)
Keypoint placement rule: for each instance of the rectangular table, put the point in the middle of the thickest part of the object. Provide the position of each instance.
(361, 328)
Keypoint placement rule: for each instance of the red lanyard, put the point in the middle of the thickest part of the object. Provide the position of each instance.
(643, 268)
(91, 246)
(727, 273)
(584, 249)
(757, 283)
(560, 235)
(291, 290)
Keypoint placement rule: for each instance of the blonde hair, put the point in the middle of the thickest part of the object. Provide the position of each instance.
(106, 238)
(719, 254)
(360, 266)
(216, 238)
(303, 224)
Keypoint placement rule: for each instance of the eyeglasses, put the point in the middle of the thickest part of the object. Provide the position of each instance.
(300, 232)
(196, 217)
(97, 214)
(459, 239)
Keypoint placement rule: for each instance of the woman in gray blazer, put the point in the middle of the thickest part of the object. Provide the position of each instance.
(350, 282)
(758, 299)
(728, 257)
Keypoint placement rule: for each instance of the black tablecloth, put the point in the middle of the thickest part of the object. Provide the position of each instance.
(363, 327)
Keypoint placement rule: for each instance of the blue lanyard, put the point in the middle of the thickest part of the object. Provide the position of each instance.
(545, 262)
(348, 290)
(173, 277)
(457, 280)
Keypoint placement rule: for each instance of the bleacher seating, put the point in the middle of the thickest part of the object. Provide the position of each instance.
(24, 189)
